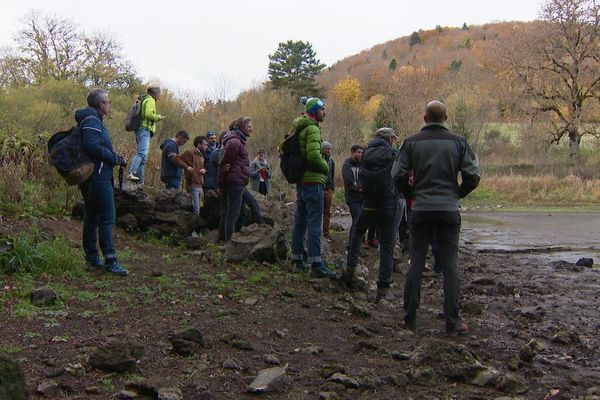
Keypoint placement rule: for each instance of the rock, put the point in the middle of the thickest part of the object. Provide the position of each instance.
(187, 341)
(399, 380)
(92, 390)
(143, 388)
(312, 350)
(54, 373)
(272, 359)
(170, 394)
(127, 395)
(360, 330)
(399, 356)
(484, 282)
(328, 396)
(536, 346)
(128, 222)
(344, 380)
(565, 337)
(267, 380)
(336, 227)
(243, 345)
(360, 311)
(512, 384)
(232, 363)
(43, 296)
(12, 381)
(117, 356)
(515, 363)
(368, 379)
(48, 388)
(260, 243)
(473, 308)
(368, 345)
(330, 369)
(585, 262)
(526, 354)
(535, 313)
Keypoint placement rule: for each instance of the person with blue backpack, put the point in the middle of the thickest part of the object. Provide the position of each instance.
(97, 190)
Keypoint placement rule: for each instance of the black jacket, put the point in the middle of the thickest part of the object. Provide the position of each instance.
(379, 155)
(351, 174)
(436, 156)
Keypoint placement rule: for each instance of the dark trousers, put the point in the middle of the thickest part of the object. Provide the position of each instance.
(355, 208)
(233, 204)
(386, 217)
(422, 226)
(99, 218)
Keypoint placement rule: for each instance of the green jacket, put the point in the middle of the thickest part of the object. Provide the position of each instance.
(311, 147)
(149, 115)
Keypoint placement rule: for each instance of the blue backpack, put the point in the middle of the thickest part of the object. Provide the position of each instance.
(66, 154)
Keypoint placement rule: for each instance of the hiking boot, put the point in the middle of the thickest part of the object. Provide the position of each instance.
(114, 267)
(299, 267)
(461, 329)
(321, 270)
(131, 177)
(348, 277)
(381, 293)
(94, 265)
(411, 325)
(365, 245)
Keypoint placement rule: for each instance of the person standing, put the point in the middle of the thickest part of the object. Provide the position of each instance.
(192, 162)
(170, 171)
(380, 205)
(436, 156)
(144, 133)
(260, 173)
(97, 191)
(352, 189)
(309, 192)
(328, 190)
(233, 172)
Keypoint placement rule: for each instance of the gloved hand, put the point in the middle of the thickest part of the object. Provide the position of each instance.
(121, 161)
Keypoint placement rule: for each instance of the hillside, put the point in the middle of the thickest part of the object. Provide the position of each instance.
(444, 48)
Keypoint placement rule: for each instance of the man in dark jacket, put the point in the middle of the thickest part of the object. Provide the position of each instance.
(436, 156)
(170, 172)
(97, 191)
(234, 172)
(350, 174)
(380, 204)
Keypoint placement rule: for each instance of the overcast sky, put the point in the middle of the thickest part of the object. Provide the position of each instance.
(223, 45)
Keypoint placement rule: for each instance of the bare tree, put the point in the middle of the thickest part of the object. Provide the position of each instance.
(559, 66)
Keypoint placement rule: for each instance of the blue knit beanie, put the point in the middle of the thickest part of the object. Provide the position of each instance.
(312, 105)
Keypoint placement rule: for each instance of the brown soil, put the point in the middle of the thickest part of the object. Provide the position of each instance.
(283, 314)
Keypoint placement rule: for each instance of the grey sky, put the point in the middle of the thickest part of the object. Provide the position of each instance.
(221, 47)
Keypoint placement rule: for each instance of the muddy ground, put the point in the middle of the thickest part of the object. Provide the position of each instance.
(516, 286)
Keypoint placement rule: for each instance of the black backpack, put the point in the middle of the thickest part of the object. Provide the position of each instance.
(375, 175)
(66, 154)
(133, 118)
(292, 163)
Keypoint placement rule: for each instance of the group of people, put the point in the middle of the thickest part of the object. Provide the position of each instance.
(379, 181)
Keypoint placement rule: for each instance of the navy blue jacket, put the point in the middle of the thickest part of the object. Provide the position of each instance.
(96, 142)
(210, 179)
(167, 168)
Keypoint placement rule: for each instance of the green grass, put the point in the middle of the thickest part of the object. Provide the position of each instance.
(31, 253)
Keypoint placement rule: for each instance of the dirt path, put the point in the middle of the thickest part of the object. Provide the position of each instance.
(316, 327)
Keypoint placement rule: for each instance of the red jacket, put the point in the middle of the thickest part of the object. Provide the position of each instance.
(234, 164)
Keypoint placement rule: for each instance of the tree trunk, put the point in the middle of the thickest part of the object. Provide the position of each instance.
(574, 141)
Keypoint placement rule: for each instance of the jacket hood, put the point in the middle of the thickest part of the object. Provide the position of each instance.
(378, 142)
(162, 145)
(87, 112)
(302, 122)
(234, 134)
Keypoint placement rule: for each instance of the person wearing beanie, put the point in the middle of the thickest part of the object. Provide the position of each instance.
(328, 190)
(380, 205)
(309, 192)
(142, 136)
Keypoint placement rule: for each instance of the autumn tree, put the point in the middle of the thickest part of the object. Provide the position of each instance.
(560, 69)
(294, 67)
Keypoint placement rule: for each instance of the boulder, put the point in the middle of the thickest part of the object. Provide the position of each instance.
(267, 380)
(43, 296)
(12, 381)
(117, 356)
(170, 394)
(187, 342)
(585, 262)
(260, 243)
